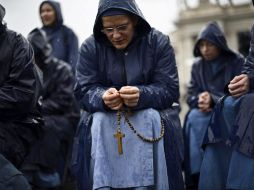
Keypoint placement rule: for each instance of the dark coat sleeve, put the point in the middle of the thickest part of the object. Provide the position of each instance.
(193, 87)
(18, 90)
(59, 92)
(249, 63)
(72, 50)
(164, 88)
(88, 89)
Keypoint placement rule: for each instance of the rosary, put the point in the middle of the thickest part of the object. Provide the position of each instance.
(119, 135)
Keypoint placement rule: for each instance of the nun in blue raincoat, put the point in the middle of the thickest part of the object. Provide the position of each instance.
(63, 40)
(127, 81)
(229, 147)
(212, 70)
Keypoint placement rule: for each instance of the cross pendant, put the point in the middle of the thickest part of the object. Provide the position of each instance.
(119, 137)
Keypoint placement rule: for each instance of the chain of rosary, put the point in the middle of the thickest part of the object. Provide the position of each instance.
(150, 140)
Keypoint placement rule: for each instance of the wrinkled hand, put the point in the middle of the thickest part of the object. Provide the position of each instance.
(204, 102)
(112, 99)
(239, 85)
(130, 95)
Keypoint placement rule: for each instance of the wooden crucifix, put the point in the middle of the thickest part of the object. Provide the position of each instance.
(119, 136)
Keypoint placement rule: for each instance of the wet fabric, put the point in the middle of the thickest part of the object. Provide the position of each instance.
(10, 177)
(203, 76)
(150, 65)
(212, 76)
(63, 40)
(172, 139)
(212, 33)
(59, 110)
(214, 168)
(141, 164)
(19, 89)
(196, 127)
(248, 65)
(60, 115)
(224, 167)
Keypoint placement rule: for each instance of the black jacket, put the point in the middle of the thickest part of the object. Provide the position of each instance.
(58, 106)
(19, 91)
(10, 177)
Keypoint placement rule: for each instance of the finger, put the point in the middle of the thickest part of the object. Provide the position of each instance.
(241, 90)
(128, 90)
(114, 102)
(117, 107)
(129, 96)
(131, 104)
(237, 78)
(110, 97)
(237, 94)
(130, 101)
(112, 90)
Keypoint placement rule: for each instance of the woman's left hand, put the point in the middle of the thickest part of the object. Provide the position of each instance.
(130, 95)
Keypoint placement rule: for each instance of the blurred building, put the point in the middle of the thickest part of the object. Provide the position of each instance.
(235, 20)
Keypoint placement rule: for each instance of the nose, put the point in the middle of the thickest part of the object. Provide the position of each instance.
(116, 34)
(43, 13)
(204, 48)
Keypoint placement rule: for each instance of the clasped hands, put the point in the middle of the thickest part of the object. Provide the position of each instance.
(205, 102)
(127, 95)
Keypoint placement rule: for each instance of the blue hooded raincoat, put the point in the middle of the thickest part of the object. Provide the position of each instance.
(63, 40)
(148, 63)
(213, 77)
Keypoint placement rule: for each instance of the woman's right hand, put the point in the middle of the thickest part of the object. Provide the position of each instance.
(112, 99)
(239, 85)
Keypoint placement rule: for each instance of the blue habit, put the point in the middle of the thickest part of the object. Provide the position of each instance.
(142, 164)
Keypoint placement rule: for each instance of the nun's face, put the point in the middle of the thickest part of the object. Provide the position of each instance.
(119, 30)
(208, 50)
(48, 15)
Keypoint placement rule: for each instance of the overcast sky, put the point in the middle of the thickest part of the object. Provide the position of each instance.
(23, 15)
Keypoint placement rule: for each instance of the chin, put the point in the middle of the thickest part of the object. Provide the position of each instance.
(120, 46)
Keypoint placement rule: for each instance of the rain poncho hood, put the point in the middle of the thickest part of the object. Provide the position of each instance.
(56, 6)
(129, 6)
(2, 13)
(42, 48)
(212, 33)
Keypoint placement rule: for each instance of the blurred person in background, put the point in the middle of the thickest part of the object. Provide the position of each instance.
(63, 40)
(212, 70)
(59, 112)
(19, 114)
(229, 141)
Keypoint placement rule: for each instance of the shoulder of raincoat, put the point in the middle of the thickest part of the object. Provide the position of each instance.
(249, 63)
(18, 84)
(62, 38)
(57, 92)
(60, 114)
(19, 90)
(148, 63)
(10, 177)
(202, 78)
